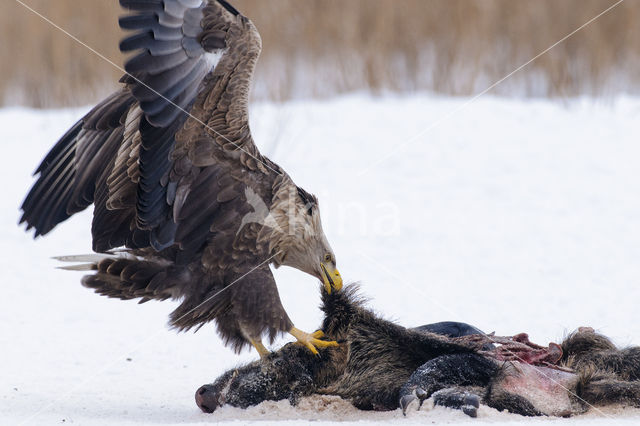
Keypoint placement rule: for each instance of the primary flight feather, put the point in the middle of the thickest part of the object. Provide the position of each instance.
(197, 213)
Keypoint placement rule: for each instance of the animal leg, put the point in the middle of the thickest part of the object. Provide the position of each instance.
(262, 351)
(254, 339)
(445, 372)
(465, 399)
(312, 340)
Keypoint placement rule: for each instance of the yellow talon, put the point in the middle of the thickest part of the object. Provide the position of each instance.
(311, 341)
(318, 334)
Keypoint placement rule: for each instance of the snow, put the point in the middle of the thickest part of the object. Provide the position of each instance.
(510, 215)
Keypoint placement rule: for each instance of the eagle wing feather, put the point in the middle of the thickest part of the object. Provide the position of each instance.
(167, 161)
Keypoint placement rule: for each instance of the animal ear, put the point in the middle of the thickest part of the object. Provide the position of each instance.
(309, 200)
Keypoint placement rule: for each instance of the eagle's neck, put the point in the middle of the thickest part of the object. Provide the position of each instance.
(287, 228)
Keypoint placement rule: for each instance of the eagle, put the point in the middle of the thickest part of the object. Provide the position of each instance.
(185, 205)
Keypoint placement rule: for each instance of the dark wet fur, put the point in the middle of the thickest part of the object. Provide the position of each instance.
(373, 361)
(608, 375)
(604, 375)
(381, 365)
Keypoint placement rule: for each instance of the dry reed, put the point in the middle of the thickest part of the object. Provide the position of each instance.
(324, 47)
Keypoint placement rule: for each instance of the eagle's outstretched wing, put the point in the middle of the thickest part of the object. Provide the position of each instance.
(150, 153)
(67, 176)
(168, 162)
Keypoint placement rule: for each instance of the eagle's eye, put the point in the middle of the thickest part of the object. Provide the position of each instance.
(328, 257)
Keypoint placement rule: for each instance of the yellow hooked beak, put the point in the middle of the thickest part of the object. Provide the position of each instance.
(331, 277)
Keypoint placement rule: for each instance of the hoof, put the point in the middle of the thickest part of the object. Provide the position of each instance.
(418, 395)
(470, 411)
(406, 401)
(470, 405)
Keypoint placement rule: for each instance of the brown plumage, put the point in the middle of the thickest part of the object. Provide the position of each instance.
(170, 165)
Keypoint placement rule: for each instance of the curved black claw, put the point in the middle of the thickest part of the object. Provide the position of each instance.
(417, 394)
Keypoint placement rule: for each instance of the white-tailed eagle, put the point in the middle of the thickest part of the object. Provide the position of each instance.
(170, 165)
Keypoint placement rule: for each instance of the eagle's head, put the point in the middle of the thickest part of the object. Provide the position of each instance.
(298, 238)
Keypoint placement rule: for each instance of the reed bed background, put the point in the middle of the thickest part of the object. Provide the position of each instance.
(318, 48)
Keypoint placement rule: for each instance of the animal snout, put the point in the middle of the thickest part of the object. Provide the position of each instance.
(207, 399)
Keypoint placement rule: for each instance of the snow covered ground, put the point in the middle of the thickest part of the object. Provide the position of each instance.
(511, 215)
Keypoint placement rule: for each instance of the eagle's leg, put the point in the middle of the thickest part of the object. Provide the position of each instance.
(312, 340)
(262, 351)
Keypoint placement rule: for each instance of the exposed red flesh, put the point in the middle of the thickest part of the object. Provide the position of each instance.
(518, 348)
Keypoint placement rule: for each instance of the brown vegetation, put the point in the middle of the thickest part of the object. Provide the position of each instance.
(323, 47)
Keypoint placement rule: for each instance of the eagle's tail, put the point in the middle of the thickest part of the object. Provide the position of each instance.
(126, 277)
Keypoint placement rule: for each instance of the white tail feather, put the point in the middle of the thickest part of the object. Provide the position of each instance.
(94, 258)
(80, 267)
